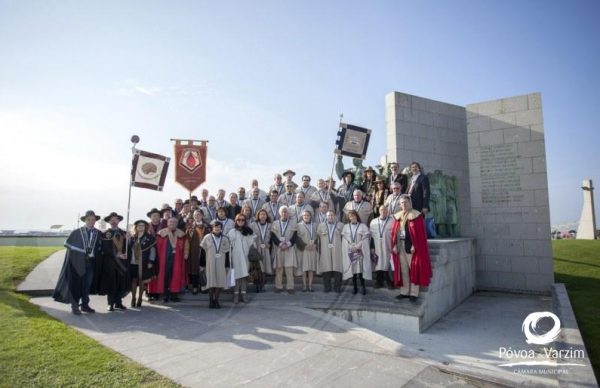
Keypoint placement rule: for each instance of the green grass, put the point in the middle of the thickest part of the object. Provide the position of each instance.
(577, 264)
(37, 350)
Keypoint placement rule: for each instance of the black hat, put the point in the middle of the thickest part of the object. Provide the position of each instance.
(141, 222)
(166, 209)
(89, 213)
(186, 202)
(154, 210)
(111, 215)
(370, 169)
(349, 172)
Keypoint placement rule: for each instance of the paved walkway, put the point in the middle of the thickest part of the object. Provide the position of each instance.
(276, 341)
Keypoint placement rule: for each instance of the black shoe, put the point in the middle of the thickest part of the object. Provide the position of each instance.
(75, 311)
(413, 299)
(87, 309)
(120, 306)
(217, 304)
(139, 302)
(175, 298)
(211, 305)
(401, 296)
(110, 308)
(355, 291)
(364, 291)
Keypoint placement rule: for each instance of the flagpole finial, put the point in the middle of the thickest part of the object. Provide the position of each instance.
(135, 139)
(341, 117)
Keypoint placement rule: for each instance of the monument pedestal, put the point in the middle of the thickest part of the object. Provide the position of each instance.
(453, 265)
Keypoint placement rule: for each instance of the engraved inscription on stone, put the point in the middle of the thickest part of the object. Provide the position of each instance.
(500, 175)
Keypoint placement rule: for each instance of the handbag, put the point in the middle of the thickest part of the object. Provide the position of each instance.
(202, 279)
(231, 278)
(254, 255)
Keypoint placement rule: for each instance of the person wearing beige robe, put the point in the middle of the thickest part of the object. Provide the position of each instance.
(330, 252)
(322, 195)
(255, 202)
(262, 229)
(299, 207)
(393, 200)
(272, 206)
(308, 257)
(217, 263)
(306, 188)
(242, 237)
(381, 245)
(283, 239)
(363, 208)
(289, 197)
(356, 238)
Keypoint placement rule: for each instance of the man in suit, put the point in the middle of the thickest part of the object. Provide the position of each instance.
(418, 189)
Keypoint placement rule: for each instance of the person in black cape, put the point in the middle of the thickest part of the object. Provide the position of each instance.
(111, 267)
(84, 246)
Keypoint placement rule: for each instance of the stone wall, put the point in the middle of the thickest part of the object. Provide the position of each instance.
(434, 134)
(509, 194)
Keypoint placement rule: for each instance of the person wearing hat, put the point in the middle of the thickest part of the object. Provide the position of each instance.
(346, 189)
(154, 226)
(379, 195)
(289, 176)
(172, 249)
(141, 248)
(216, 262)
(83, 245)
(368, 183)
(111, 270)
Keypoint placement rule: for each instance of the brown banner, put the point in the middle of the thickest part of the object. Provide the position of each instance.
(190, 163)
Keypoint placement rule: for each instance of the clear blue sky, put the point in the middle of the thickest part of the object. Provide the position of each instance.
(265, 81)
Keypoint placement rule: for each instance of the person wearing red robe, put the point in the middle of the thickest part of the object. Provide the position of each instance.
(410, 253)
(172, 249)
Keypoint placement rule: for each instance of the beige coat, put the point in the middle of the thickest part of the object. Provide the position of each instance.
(381, 234)
(216, 275)
(330, 258)
(308, 259)
(362, 240)
(364, 210)
(284, 258)
(264, 246)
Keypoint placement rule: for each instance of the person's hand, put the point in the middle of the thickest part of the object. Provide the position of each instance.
(395, 250)
(412, 249)
(425, 211)
(150, 265)
(201, 269)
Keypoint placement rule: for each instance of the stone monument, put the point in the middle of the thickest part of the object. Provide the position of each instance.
(495, 151)
(587, 221)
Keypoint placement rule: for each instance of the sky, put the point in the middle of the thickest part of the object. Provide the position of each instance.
(265, 83)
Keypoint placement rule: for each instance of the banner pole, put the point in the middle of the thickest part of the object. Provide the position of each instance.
(330, 184)
(134, 139)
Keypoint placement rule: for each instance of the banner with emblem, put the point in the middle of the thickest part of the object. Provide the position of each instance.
(149, 170)
(352, 141)
(190, 163)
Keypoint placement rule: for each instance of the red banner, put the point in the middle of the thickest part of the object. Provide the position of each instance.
(190, 163)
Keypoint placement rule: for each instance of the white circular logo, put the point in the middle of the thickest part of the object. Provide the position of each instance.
(530, 328)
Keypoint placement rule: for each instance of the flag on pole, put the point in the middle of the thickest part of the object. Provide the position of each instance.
(352, 141)
(149, 170)
(190, 166)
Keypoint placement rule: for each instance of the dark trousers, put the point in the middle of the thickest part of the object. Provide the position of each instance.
(85, 284)
(337, 281)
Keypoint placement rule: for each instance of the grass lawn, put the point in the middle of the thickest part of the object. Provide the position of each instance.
(38, 350)
(577, 264)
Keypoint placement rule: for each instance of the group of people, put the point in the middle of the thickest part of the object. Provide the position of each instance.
(208, 244)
